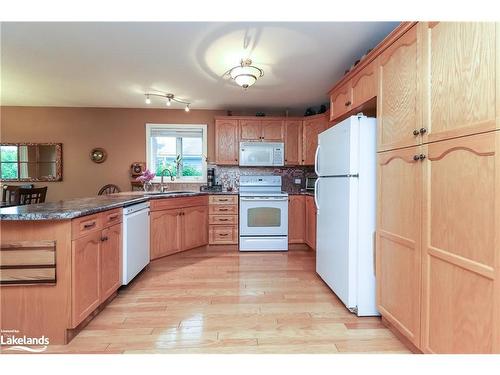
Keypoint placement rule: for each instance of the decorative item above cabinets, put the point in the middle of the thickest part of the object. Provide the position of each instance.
(31, 162)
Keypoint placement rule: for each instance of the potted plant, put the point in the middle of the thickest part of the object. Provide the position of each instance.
(146, 177)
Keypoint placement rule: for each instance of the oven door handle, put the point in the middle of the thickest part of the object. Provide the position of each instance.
(250, 199)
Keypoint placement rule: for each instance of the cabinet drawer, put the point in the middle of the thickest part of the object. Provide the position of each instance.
(223, 199)
(219, 234)
(223, 209)
(86, 224)
(223, 219)
(112, 217)
(181, 202)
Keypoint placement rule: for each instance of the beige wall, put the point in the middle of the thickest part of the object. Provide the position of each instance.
(121, 131)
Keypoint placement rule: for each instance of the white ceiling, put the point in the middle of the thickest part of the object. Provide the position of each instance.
(114, 64)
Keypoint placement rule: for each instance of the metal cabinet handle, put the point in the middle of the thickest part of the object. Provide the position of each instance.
(416, 132)
(89, 225)
(421, 157)
(423, 131)
(416, 157)
(104, 238)
(223, 234)
(223, 219)
(348, 103)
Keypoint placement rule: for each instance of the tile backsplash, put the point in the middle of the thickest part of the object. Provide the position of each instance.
(229, 176)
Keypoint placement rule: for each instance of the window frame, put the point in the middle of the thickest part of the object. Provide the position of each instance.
(203, 127)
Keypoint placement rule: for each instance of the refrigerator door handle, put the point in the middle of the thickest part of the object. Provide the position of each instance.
(316, 193)
(316, 166)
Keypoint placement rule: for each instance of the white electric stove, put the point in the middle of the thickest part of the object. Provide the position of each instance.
(263, 214)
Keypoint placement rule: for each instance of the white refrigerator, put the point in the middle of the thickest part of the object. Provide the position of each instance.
(345, 197)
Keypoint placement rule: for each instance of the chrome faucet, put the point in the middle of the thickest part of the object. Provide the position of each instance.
(162, 173)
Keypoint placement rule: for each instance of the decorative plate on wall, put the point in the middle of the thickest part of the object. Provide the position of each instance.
(98, 155)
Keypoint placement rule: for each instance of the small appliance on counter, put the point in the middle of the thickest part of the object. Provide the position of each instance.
(211, 186)
(310, 183)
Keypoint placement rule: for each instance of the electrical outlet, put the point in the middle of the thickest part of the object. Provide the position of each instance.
(298, 181)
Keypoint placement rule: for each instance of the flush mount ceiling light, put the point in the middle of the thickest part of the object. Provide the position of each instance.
(169, 98)
(245, 74)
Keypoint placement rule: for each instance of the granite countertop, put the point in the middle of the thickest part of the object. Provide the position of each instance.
(73, 208)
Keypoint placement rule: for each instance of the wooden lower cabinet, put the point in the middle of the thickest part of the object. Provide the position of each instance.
(310, 230)
(178, 224)
(195, 227)
(296, 219)
(110, 261)
(461, 245)
(165, 233)
(398, 254)
(438, 243)
(223, 234)
(85, 276)
(96, 262)
(223, 220)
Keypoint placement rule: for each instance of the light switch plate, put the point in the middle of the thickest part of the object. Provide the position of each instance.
(298, 181)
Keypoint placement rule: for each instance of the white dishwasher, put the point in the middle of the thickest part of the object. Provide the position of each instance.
(135, 240)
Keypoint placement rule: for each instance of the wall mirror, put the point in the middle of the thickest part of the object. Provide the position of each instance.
(30, 161)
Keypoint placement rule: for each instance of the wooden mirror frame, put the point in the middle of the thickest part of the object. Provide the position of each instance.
(58, 163)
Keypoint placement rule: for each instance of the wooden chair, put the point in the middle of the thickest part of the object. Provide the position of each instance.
(32, 196)
(10, 193)
(109, 189)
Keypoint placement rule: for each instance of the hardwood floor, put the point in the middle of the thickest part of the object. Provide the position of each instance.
(218, 300)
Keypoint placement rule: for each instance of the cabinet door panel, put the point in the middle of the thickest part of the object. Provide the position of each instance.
(296, 218)
(226, 142)
(272, 130)
(312, 128)
(165, 233)
(340, 101)
(85, 276)
(250, 130)
(293, 142)
(310, 222)
(460, 245)
(398, 92)
(398, 240)
(110, 260)
(194, 227)
(459, 96)
(364, 85)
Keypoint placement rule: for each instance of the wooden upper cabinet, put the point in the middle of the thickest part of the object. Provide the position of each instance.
(397, 101)
(272, 130)
(311, 128)
(85, 276)
(250, 130)
(226, 142)
(398, 248)
(110, 260)
(195, 227)
(461, 265)
(261, 130)
(296, 218)
(340, 101)
(165, 233)
(461, 70)
(293, 142)
(364, 85)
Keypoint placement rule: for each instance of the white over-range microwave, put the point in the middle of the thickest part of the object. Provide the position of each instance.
(262, 154)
